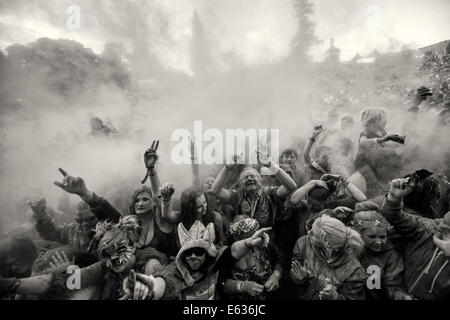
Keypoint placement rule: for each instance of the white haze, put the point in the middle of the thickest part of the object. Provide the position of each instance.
(246, 86)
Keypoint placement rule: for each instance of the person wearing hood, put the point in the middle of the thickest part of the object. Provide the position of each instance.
(198, 266)
(427, 252)
(325, 265)
(379, 252)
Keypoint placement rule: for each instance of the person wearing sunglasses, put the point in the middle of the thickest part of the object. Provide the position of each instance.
(199, 268)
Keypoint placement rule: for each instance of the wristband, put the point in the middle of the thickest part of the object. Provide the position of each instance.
(240, 286)
(277, 274)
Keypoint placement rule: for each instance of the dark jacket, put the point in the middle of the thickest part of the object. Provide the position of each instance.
(427, 269)
(391, 270)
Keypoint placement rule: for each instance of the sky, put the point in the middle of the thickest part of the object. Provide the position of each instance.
(255, 31)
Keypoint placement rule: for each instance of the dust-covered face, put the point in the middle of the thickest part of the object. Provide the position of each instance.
(375, 237)
(194, 258)
(200, 204)
(143, 203)
(119, 256)
(208, 183)
(326, 249)
(250, 181)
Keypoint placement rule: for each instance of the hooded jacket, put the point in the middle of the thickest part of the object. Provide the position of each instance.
(181, 284)
(346, 273)
(427, 269)
(391, 269)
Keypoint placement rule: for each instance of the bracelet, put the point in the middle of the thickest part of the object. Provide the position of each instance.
(277, 273)
(345, 182)
(240, 286)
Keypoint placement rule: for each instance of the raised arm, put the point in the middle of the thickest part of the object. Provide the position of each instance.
(311, 140)
(410, 124)
(218, 185)
(383, 140)
(150, 158)
(167, 213)
(195, 168)
(406, 225)
(354, 191)
(101, 208)
(45, 226)
(301, 193)
(357, 194)
(268, 167)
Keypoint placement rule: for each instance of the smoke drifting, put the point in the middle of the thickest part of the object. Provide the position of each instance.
(187, 60)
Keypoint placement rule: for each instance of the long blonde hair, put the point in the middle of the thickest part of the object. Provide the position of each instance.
(333, 231)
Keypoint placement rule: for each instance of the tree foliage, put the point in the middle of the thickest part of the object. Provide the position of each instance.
(305, 37)
(60, 67)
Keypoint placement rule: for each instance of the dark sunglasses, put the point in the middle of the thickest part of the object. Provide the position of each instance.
(196, 251)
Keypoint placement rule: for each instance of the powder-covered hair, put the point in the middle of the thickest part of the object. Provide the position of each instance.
(337, 234)
(364, 220)
(373, 117)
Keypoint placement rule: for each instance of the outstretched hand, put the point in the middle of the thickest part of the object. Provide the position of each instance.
(237, 160)
(400, 188)
(60, 262)
(138, 287)
(317, 130)
(73, 185)
(167, 191)
(262, 155)
(38, 206)
(422, 94)
(259, 237)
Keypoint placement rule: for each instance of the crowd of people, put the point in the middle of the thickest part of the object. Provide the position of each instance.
(335, 220)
